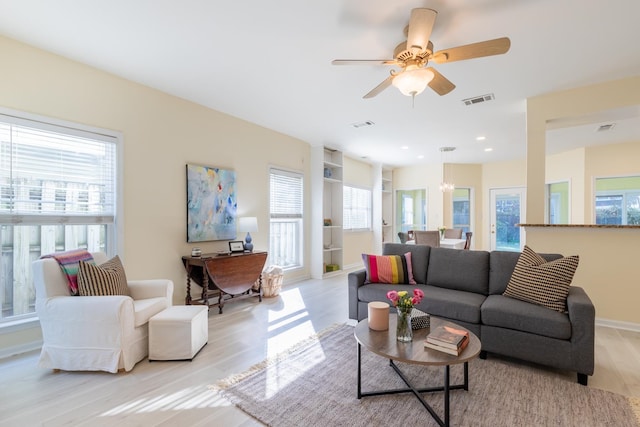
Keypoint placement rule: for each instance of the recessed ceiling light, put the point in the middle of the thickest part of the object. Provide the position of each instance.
(421, 156)
(481, 138)
(405, 147)
(488, 149)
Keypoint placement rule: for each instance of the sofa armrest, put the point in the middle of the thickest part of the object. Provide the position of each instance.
(153, 288)
(582, 315)
(356, 279)
(87, 321)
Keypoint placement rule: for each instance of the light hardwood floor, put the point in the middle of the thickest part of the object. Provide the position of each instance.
(177, 393)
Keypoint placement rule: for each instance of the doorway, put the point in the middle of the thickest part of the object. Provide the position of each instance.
(507, 210)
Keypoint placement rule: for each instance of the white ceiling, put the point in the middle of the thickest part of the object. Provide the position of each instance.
(269, 62)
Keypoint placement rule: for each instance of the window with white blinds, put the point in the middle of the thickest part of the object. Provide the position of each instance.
(57, 193)
(357, 208)
(54, 172)
(285, 210)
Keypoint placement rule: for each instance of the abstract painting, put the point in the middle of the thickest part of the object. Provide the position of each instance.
(211, 204)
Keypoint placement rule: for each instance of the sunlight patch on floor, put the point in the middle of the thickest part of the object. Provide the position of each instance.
(288, 326)
(187, 398)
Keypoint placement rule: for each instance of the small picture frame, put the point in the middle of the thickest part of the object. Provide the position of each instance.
(236, 246)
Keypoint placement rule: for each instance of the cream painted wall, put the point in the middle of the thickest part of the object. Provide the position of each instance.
(355, 243)
(570, 166)
(161, 133)
(569, 104)
(607, 267)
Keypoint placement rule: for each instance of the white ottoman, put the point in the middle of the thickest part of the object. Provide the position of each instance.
(178, 332)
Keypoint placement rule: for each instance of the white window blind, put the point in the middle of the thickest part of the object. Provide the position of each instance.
(50, 174)
(286, 194)
(357, 208)
(285, 210)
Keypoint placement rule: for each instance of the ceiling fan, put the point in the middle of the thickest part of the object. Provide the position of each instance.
(413, 55)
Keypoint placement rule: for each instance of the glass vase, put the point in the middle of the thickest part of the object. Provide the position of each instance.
(403, 328)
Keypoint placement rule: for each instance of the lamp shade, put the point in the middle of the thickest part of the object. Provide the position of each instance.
(248, 223)
(413, 81)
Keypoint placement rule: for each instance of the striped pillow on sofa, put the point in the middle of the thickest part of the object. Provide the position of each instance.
(391, 269)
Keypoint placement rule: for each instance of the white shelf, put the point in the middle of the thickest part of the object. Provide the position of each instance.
(332, 249)
(333, 180)
(331, 164)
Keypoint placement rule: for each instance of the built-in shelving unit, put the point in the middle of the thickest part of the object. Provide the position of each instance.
(326, 215)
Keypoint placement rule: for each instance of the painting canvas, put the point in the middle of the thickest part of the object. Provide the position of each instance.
(211, 204)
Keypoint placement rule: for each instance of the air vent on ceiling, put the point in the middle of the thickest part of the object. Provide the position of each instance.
(478, 99)
(604, 128)
(362, 124)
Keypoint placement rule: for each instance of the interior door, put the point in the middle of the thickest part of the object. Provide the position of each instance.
(507, 210)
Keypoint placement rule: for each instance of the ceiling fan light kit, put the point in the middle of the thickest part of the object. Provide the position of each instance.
(413, 82)
(413, 56)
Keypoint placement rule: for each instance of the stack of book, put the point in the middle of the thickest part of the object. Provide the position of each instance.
(447, 339)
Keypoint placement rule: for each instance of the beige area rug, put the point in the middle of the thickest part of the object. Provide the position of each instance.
(314, 384)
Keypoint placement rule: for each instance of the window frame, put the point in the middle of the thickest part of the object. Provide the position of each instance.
(624, 192)
(349, 211)
(115, 239)
(298, 219)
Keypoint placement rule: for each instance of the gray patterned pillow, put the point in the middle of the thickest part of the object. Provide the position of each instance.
(104, 279)
(540, 282)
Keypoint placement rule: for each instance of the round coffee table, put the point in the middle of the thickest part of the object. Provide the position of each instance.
(384, 344)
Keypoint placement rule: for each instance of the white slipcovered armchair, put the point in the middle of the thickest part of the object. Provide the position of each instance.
(94, 333)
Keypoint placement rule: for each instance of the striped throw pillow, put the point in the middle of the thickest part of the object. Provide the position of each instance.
(540, 282)
(392, 269)
(104, 279)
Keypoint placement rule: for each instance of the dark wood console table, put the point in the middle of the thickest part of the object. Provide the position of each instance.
(229, 277)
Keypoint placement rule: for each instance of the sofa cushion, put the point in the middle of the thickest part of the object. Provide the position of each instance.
(419, 258)
(460, 270)
(451, 303)
(106, 279)
(504, 312)
(540, 282)
(501, 265)
(378, 291)
(145, 309)
(388, 268)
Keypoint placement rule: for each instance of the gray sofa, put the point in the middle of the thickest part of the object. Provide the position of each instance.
(466, 287)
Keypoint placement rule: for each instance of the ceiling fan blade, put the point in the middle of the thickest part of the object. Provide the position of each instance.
(440, 84)
(364, 62)
(420, 27)
(474, 50)
(382, 86)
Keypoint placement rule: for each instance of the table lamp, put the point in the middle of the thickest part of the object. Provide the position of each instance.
(248, 224)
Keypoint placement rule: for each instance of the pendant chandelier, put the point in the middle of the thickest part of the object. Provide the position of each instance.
(446, 185)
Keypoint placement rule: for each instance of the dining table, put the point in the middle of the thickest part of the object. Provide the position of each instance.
(446, 243)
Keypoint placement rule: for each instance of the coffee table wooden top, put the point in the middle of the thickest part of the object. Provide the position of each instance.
(384, 343)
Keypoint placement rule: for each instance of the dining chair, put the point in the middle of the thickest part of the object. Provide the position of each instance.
(453, 233)
(429, 238)
(467, 244)
(403, 237)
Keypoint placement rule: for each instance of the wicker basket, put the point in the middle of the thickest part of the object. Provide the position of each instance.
(271, 284)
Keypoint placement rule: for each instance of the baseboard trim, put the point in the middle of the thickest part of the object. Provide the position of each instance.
(17, 350)
(618, 324)
(352, 267)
